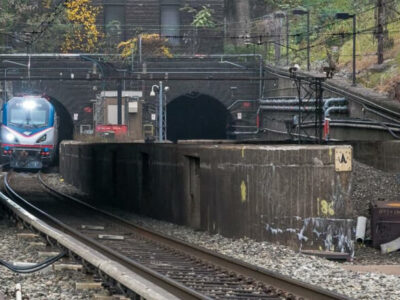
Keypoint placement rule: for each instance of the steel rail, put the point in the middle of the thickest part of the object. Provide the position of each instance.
(164, 282)
(285, 283)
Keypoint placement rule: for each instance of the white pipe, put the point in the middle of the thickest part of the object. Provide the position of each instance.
(18, 292)
(360, 229)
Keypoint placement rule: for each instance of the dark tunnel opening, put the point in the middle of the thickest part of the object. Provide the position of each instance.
(66, 125)
(202, 117)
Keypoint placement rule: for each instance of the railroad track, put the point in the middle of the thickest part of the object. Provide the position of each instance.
(184, 270)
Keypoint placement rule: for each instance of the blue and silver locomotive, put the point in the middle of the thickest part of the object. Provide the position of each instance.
(29, 132)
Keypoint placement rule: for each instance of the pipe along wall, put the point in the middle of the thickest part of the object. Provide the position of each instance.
(294, 195)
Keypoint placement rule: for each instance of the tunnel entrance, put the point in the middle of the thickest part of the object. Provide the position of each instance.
(200, 117)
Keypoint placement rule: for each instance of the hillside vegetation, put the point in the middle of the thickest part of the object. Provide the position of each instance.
(332, 44)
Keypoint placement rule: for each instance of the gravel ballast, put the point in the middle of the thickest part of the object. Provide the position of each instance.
(371, 184)
(277, 258)
(314, 270)
(45, 284)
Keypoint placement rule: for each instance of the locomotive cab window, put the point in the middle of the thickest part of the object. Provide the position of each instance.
(29, 113)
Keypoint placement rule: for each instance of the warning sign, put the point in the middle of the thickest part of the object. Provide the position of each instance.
(343, 159)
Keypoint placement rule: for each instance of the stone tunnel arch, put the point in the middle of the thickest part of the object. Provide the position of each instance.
(66, 126)
(197, 116)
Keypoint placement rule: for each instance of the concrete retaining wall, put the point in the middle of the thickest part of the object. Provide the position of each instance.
(383, 155)
(286, 194)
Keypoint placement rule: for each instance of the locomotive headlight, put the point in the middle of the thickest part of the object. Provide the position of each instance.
(42, 138)
(10, 137)
(28, 104)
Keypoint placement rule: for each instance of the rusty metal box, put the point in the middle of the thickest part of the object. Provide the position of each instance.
(385, 222)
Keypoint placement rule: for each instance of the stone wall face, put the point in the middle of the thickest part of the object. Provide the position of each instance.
(286, 194)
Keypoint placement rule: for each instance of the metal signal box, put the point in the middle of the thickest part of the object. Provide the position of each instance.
(385, 222)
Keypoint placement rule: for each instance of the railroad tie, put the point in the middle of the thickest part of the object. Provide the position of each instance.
(92, 227)
(88, 285)
(47, 254)
(102, 297)
(35, 245)
(110, 237)
(120, 297)
(27, 236)
(105, 297)
(73, 267)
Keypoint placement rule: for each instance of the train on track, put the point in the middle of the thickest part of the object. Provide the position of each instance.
(32, 128)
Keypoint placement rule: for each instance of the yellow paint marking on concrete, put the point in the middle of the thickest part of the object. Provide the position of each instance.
(243, 148)
(325, 207)
(330, 154)
(243, 191)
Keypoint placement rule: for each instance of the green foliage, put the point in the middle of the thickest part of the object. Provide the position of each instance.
(202, 18)
(24, 23)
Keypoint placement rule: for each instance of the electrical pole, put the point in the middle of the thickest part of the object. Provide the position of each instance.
(308, 41)
(379, 33)
(119, 102)
(160, 112)
(287, 39)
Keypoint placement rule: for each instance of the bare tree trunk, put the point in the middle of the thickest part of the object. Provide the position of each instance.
(380, 33)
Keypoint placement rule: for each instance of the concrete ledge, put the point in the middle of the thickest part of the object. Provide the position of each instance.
(117, 271)
(290, 194)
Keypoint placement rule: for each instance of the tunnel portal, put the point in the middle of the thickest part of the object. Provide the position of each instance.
(199, 117)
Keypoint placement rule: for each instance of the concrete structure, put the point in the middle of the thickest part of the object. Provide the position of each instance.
(207, 81)
(368, 115)
(131, 111)
(383, 155)
(295, 195)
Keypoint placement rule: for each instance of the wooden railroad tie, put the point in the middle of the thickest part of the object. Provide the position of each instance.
(92, 227)
(27, 236)
(110, 237)
(88, 285)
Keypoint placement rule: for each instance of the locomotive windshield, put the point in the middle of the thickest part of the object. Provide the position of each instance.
(28, 112)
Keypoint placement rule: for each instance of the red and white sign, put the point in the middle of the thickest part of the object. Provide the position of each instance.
(117, 129)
